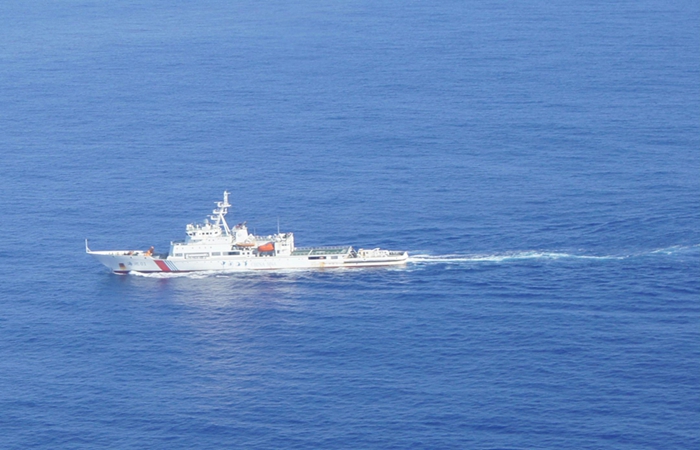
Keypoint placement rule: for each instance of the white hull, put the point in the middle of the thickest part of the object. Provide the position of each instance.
(122, 262)
(214, 246)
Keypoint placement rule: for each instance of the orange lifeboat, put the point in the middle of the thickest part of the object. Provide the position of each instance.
(267, 247)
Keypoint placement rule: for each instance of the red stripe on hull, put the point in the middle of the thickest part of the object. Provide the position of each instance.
(164, 267)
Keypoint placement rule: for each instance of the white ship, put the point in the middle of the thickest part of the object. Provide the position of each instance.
(213, 246)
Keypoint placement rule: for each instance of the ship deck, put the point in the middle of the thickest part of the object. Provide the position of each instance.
(320, 251)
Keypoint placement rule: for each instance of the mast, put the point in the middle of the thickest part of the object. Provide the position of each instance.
(220, 212)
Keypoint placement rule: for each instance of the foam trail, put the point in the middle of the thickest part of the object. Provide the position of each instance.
(533, 255)
(221, 273)
(500, 257)
(212, 273)
(193, 275)
(675, 249)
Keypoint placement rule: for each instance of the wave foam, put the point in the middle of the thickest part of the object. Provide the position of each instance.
(535, 254)
(499, 257)
(167, 275)
(675, 249)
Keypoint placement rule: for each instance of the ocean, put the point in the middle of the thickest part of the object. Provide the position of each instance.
(538, 160)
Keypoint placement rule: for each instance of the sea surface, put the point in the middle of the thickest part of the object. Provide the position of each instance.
(539, 160)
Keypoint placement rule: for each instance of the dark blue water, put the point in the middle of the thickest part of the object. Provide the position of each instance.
(539, 160)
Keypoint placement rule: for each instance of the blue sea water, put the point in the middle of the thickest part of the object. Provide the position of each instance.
(539, 160)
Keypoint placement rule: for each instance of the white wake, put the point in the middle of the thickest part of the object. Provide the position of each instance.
(538, 254)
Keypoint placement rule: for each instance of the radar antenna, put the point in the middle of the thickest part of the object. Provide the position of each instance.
(220, 212)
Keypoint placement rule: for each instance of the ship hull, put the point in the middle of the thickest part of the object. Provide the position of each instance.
(215, 247)
(121, 262)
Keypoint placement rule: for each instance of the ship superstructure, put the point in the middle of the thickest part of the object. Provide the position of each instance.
(214, 246)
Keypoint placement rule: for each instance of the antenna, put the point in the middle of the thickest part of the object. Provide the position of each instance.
(219, 213)
(278, 225)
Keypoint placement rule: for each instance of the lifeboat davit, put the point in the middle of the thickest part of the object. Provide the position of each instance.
(269, 247)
